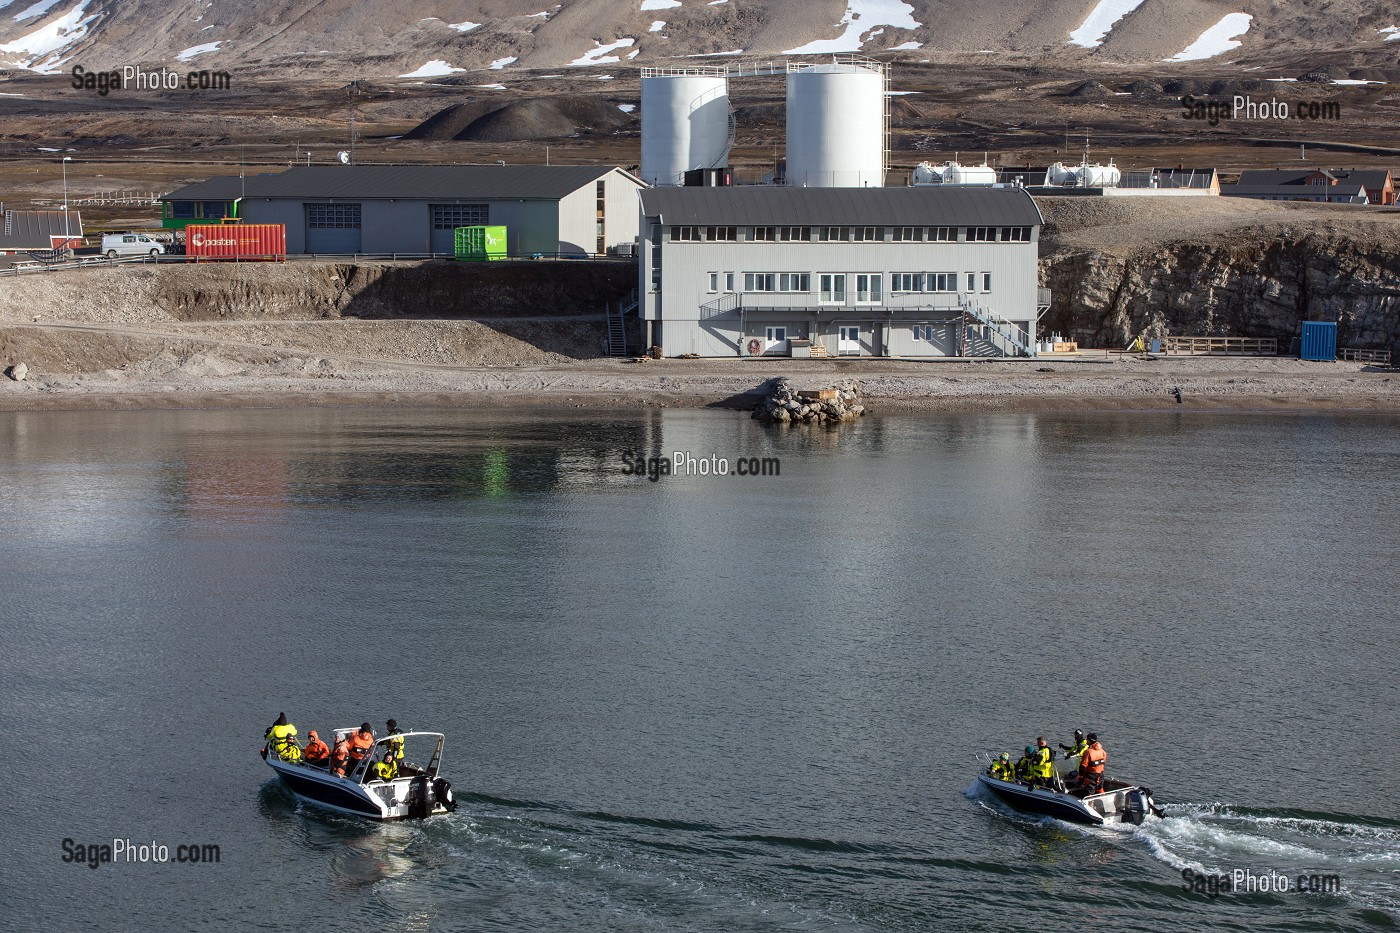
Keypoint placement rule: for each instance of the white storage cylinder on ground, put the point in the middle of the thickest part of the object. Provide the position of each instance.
(1098, 176)
(1058, 174)
(685, 125)
(926, 174)
(836, 127)
(955, 174)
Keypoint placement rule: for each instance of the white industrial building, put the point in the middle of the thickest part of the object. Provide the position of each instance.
(884, 272)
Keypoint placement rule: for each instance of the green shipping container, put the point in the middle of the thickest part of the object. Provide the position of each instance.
(480, 244)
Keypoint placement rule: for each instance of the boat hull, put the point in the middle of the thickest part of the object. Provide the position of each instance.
(376, 800)
(1124, 803)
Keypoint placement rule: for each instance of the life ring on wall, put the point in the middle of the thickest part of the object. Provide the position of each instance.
(755, 345)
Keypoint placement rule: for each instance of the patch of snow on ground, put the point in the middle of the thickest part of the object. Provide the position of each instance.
(627, 108)
(500, 63)
(907, 47)
(600, 56)
(717, 3)
(46, 40)
(194, 50)
(433, 69)
(38, 9)
(1354, 81)
(1100, 22)
(1391, 33)
(543, 14)
(657, 25)
(861, 17)
(491, 87)
(1217, 40)
(659, 4)
(464, 26)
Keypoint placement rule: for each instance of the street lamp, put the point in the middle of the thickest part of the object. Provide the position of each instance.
(66, 237)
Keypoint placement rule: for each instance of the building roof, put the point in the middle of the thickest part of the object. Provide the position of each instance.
(1373, 179)
(759, 205)
(1339, 192)
(408, 182)
(24, 230)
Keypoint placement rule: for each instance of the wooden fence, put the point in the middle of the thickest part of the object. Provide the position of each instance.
(1230, 346)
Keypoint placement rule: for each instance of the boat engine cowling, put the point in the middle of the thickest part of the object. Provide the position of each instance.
(1138, 805)
(420, 801)
(442, 793)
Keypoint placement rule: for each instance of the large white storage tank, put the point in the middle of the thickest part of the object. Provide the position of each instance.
(836, 126)
(955, 173)
(685, 124)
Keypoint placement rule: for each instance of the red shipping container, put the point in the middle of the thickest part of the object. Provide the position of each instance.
(237, 241)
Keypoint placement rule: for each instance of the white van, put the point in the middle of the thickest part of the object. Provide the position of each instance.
(130, 244)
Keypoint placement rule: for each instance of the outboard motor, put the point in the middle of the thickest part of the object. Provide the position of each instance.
(420, 801)
(442, 793)
(1138, 805)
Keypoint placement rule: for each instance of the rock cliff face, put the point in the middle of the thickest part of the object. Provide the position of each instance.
(1212, 275)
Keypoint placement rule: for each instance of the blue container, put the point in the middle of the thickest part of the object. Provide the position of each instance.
(1319, 341)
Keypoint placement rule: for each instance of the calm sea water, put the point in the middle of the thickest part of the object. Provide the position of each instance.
(702, 703)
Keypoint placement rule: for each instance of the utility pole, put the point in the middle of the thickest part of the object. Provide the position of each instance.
(66, 237)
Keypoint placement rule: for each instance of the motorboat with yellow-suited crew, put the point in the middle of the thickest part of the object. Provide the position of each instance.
(410, 792)
(1114, 802)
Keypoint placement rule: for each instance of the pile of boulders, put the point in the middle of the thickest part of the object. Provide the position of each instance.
(788, 404)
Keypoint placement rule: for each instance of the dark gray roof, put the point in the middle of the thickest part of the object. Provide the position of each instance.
(756, 205)
(542, 182)
(1342, 191)
(1373, 179)
(22, 230)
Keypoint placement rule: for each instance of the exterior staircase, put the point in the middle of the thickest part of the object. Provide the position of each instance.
(617, 324)
(1012, 341)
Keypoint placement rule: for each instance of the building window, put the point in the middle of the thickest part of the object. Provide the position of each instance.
(869, 234)
(833, 289)
(452, 216)
(729, 281)
(777, 282)
(836, 234)
(765, 234)
(908, 234)
(333, 216)
(685, 234)
(923, 333)
(714, 282)
(986, 281)
(656, 257)
(942, 281)
(722, 234)
(795, 234)
(907, 282)
(972, 281)
(868, 288)
(943, 234)
(1016, 234)
(981, 234)
(601, 192)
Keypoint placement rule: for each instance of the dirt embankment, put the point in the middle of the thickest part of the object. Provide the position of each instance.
(1121, 267)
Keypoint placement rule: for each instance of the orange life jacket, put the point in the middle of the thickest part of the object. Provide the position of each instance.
(341, 755)
(1093, 759)
(360, 743)
(315, 750)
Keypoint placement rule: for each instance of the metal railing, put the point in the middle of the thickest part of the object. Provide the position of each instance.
(1229, 346)
(98, 262)
(1010, 334)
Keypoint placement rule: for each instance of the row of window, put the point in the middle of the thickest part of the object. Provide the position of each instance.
(692, 234)
(869, 285)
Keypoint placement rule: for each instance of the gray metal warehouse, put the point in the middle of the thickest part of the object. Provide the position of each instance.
(570, 210)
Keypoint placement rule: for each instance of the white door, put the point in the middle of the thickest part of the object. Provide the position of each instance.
(776, 341)
(868, 289)
(833, 288)
(848, 343)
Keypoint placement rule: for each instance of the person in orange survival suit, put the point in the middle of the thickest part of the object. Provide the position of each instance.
(316, 752)
(340, 756)
(1091, 765)
(360, 744)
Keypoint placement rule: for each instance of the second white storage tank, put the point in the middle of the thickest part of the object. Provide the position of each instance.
(836, 127)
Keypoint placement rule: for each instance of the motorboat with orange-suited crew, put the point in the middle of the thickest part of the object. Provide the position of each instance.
(1085, 797)
(382, 784)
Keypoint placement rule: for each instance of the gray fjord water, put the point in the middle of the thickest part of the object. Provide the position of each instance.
(701, 703)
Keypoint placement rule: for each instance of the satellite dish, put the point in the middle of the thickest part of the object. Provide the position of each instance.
(343, 156)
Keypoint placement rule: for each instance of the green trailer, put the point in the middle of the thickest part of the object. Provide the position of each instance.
(480, 244)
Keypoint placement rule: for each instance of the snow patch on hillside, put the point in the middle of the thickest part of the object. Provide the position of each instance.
(861, 18)
(433, 69)
(1100, 22)
(600, 56)
(1217, 40)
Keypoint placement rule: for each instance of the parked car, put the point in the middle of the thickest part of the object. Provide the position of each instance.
(130, 244)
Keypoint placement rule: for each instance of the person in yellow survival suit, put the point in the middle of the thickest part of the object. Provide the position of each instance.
(1003, 769)
(388, 769)
(282, 736)
(395, 744)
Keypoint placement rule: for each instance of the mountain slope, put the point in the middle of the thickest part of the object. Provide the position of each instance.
(372, 39)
